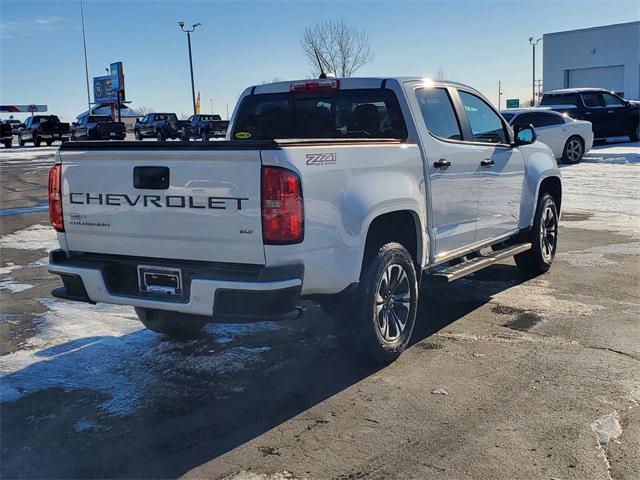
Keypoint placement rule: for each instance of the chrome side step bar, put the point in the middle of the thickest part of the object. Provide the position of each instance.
(460, 270)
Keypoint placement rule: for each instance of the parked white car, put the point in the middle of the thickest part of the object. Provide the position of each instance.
(568, 138)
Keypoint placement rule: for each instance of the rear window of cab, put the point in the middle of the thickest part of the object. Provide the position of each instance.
(347, 114)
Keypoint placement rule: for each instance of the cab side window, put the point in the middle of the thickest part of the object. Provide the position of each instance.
(486, 125)
(438, 113)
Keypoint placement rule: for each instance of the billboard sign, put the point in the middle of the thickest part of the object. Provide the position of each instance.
(106, 88)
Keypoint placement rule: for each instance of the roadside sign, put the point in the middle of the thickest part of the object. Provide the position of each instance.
(513, 103)
(32, 108)
(106, 87)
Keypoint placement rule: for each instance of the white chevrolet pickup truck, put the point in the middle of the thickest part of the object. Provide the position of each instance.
(343, 191)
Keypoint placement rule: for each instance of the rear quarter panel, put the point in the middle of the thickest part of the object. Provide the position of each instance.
(341, 199)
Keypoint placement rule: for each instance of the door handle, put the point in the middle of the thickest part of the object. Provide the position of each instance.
(442, 163)
(487, 162)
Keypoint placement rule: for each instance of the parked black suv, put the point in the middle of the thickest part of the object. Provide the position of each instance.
(43, 128)
(159, 126)
(97, 127)
(609, 114)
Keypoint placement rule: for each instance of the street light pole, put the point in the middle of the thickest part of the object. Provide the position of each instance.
(533, 82)
(86, 67)
(188, 32)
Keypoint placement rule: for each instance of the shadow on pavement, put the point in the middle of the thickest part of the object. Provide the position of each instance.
(190, 415)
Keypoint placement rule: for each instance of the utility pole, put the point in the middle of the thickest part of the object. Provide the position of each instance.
(499, 94)
(86, 67)
(189, 32)
(533, 82)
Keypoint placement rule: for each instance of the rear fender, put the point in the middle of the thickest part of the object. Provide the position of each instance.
(539, 164)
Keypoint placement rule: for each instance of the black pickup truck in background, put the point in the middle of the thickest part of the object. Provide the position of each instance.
(6, 135)
(43, 128)
(98, 127)
(205, 126)
(610, 115)
(160, 126)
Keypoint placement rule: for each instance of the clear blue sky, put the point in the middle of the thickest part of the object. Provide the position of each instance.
(247, 42)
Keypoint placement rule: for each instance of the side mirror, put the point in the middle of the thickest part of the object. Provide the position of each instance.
(524, 134)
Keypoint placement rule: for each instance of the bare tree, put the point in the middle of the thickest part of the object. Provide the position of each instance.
(444, 76)
(342, 49)
(273, 80)
(144, 109)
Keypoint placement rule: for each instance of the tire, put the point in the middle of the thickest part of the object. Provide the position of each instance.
(159, 135)
(634, 136)
(136, 135)
(48, 142)
(7, 143)
(20, 141)
(371, 325)
(573, 150)
(172, 324)
(543, 237)
(36, 141)
(204, 136)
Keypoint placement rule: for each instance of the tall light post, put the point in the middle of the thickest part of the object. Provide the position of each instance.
(533, 81)
(188, 32)
(86, 66)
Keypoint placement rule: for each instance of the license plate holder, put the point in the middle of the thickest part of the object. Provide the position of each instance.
(165, 281)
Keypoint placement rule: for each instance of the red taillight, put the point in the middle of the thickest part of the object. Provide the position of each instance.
(315, 85)
(55, 198)
(282, 206)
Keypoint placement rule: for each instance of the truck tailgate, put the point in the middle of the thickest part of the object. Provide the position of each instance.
(179, 204)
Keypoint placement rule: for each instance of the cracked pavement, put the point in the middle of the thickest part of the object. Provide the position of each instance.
(507, 377)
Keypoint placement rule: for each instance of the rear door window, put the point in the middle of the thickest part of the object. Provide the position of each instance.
(361, 113)
(612, 100)
(438, 113)
(560, 99)
(592, 99)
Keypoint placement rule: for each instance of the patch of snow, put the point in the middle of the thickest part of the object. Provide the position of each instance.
(43, 262)
(103, 348)
(10, 285)
(595, 256)
(226, 330)
(605, 184)
(83, 425)
(10, 267)
(34, 237)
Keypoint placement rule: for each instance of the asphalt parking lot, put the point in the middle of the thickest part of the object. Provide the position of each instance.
(508, 377)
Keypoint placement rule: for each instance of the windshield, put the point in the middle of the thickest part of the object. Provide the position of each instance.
(365, 113)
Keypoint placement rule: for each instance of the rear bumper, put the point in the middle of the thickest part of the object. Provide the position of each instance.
(220, 291)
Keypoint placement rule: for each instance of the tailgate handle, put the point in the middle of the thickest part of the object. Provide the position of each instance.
(151, 178)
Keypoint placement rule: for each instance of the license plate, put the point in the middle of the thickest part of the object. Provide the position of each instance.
(160, 280)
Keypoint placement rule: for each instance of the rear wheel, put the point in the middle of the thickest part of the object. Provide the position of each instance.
(573, 150)
(543, 237)
(171, 324)
(377, 325)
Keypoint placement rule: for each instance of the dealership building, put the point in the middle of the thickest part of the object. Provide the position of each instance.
(606, 57)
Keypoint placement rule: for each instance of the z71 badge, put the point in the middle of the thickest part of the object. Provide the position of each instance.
(320, 159)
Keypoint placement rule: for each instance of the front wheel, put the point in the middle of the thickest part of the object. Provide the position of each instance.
(573, 150)
(378, 324)
(543, 237)
(172, 324)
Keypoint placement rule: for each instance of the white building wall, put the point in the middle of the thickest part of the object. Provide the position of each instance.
(607, 46)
